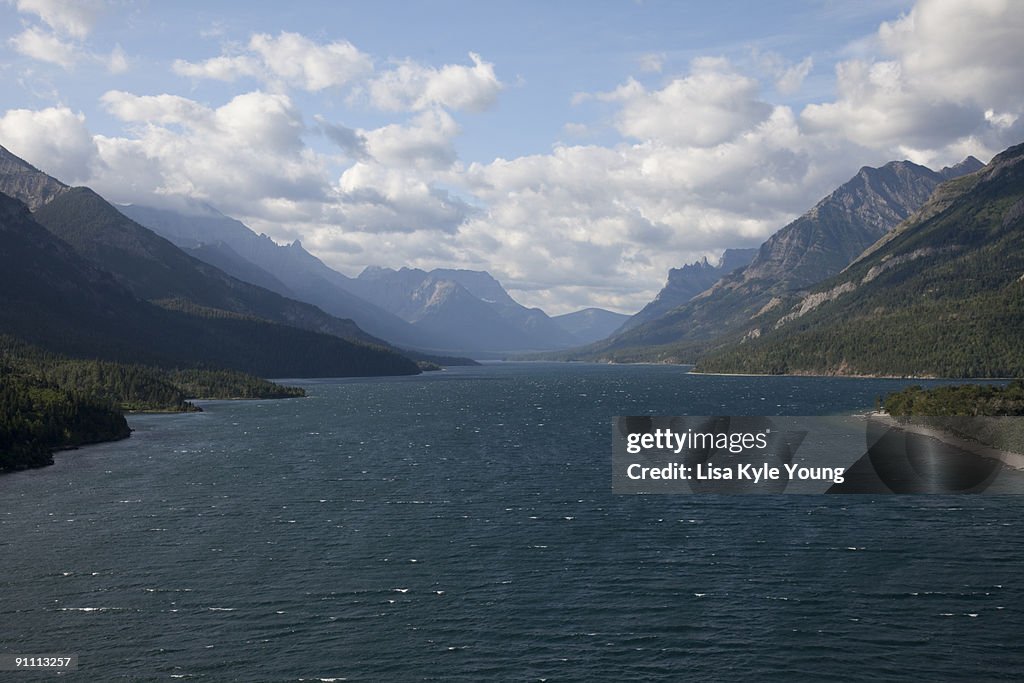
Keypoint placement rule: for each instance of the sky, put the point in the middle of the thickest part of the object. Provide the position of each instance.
(575, 150)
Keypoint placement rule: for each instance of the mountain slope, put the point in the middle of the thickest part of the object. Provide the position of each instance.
(813, 247)
(154, 269)
(302, 275)
(943, 294)
(57, 299)
(687, 282)
(22, 180)
(221, 256)
(590, 324)
(470, 308)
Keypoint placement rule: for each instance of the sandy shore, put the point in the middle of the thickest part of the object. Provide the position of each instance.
(1008, 458)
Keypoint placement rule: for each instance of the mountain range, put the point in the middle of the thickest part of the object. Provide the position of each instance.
(81, 278)
(900, 270)
(446, 311)
(942, 294)
(470, 307)
(288, 270)
(815, 246)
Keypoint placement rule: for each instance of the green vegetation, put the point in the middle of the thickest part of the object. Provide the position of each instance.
(961, 400)
(48, 401)
(979, 413)
(942, 296)
(37, 416)
(209, 384)
(55, 299)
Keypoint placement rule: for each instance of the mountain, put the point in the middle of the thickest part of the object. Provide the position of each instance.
(942, 295)
(155, 270)
(56, 298)
(26, 182)
(968, 165)
(813, 247)
(220, 255)
(468, 308)
(687, 282)
(590, 324)
(193, 225)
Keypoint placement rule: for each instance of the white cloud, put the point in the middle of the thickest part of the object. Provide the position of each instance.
(790, 80)
(788, 77)
(705, 159)
(46, 47)
(54, 139)
(352, 142)
(709, 106)
(71, 17)
(240, 154)
(427, 142)
(303, 63)
(943, 66)
(961, 51)
(411, 86)
(221, 68)
(156, 109)
(290, 58)
(377, 199)
(61, 42)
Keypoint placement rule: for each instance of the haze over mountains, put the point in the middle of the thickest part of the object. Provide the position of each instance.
(837, 272)
(289, 270)
(149, 301)
(445, 310)
(469, 306)
(58, 299)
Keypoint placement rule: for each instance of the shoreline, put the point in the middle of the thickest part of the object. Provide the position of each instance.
(1011, 459)
(846, 376)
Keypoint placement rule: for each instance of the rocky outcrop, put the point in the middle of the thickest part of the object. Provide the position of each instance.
(26, 183)
(687, 282)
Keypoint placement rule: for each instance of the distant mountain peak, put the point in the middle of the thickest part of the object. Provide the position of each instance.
(968, 165)
(689, 281)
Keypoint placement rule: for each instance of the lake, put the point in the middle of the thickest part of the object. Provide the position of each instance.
(460, 525)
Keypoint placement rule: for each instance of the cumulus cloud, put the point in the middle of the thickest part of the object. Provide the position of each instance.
(55, 139)
(61, 38)
(70, 17)
(377, 199)
(223, 68)
(158, 109)
(242, 153)
(411, 86)
(948, 78)
(700, 159)
(427, 142)
(586, 216)
(708, 106)
(301, 62)
(290, 58)
(46, 47)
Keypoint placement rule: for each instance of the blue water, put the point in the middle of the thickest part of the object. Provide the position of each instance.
(461, 526)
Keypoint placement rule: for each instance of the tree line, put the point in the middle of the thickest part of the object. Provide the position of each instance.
(49, 401)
